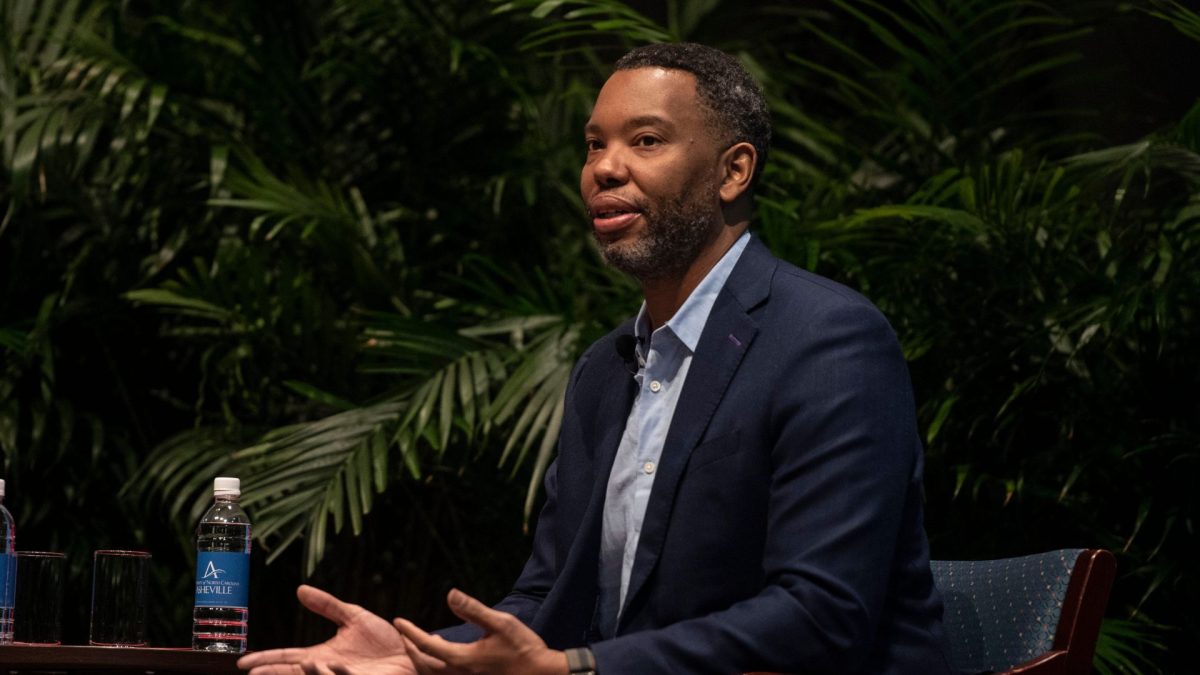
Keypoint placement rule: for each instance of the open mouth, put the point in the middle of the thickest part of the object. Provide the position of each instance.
(613, 213)
(613, 219)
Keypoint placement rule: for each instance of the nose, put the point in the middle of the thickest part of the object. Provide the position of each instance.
(609, 167)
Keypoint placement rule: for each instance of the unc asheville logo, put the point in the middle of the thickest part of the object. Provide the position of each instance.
(212, 572)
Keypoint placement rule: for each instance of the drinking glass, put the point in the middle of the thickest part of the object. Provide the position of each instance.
(38, 610)
(119, 585)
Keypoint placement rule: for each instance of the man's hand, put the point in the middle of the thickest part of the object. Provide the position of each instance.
(508, 647)
(364, 641)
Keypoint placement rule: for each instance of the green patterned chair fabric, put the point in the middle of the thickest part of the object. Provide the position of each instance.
(1002, 613)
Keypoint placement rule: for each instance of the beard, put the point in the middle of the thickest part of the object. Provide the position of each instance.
(675, 232)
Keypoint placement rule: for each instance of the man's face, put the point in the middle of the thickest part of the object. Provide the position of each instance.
(651, 175)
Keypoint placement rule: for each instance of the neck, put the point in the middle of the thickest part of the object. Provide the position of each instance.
(665, 296)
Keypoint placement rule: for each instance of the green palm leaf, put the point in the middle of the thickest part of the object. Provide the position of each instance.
(300, 477)
(85, 86)
(584, 18)
(1186, 21)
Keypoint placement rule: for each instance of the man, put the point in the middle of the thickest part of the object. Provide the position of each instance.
(738, 481)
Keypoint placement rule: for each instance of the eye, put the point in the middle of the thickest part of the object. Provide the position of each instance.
(647, 141)
(593, 144)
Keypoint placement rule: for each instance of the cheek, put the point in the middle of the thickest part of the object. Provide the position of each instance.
(671, 182)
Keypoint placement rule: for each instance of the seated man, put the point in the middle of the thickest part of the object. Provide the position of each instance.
(738, 480)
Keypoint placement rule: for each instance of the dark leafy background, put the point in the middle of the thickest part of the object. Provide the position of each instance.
(335, 247)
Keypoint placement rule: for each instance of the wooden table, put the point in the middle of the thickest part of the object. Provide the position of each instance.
(59, 660)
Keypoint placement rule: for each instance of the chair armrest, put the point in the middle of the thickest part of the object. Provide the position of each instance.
(1083, 609)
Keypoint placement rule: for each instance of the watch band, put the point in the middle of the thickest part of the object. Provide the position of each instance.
(581, 661)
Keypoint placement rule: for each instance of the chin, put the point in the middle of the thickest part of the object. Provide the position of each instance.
(619, 239)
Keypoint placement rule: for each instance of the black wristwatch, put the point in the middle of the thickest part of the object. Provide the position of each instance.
(581, 661)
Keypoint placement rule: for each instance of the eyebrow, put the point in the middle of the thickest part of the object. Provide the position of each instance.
(635, 122)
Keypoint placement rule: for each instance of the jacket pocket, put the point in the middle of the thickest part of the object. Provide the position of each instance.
(714, 450)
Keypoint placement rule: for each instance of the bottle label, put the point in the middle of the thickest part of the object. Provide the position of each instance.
(222, 579)
(8, 579)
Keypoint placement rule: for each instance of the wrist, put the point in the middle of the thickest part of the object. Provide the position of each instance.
(580, 661)
(553, 662)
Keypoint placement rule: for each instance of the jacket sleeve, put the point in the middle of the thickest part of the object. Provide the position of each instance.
(844, 452)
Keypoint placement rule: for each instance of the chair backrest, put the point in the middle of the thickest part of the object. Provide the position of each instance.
(1037, 613)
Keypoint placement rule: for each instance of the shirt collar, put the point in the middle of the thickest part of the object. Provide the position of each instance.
(688, 322)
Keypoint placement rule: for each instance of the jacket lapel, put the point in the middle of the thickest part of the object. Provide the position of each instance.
(727, 335)
(604, 397)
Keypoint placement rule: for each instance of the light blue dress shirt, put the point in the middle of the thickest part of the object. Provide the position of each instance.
(663, 362)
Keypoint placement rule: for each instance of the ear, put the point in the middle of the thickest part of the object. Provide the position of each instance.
(737, 170)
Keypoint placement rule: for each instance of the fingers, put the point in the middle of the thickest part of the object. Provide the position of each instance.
(423, 663)
(410, 633)
(274, 669)
(418, 644)
(274, 657)
(320, 602)
(473, 611)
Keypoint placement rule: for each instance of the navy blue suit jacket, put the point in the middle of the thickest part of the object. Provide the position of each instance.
(784, 529)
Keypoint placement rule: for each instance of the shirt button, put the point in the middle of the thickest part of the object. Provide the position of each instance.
(648, 467)
(655, 386)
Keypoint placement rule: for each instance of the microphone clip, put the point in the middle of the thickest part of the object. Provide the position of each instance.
(627, 349)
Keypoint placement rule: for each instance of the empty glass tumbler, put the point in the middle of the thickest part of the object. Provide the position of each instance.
(119, 583)
(38, 610)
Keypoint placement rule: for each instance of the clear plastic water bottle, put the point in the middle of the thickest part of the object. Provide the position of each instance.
(222, 572)
(8, 570)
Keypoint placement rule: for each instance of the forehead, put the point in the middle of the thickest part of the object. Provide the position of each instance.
(642, 93)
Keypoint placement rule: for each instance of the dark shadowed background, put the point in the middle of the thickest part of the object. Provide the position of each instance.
(335, 247)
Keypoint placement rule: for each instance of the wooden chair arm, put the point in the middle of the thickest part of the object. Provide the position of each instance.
(1083, 610)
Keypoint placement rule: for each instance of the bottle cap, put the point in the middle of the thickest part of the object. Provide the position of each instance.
(227, 486)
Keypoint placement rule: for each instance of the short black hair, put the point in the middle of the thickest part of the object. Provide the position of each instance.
(734, 102)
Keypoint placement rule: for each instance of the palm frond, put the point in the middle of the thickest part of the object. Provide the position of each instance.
(585, 18)
(300, 477)
(299, 203)
(1186, 21)
(86, 90)
(932, 86)
(14, 340)
(179, 472)
(1127, 647)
